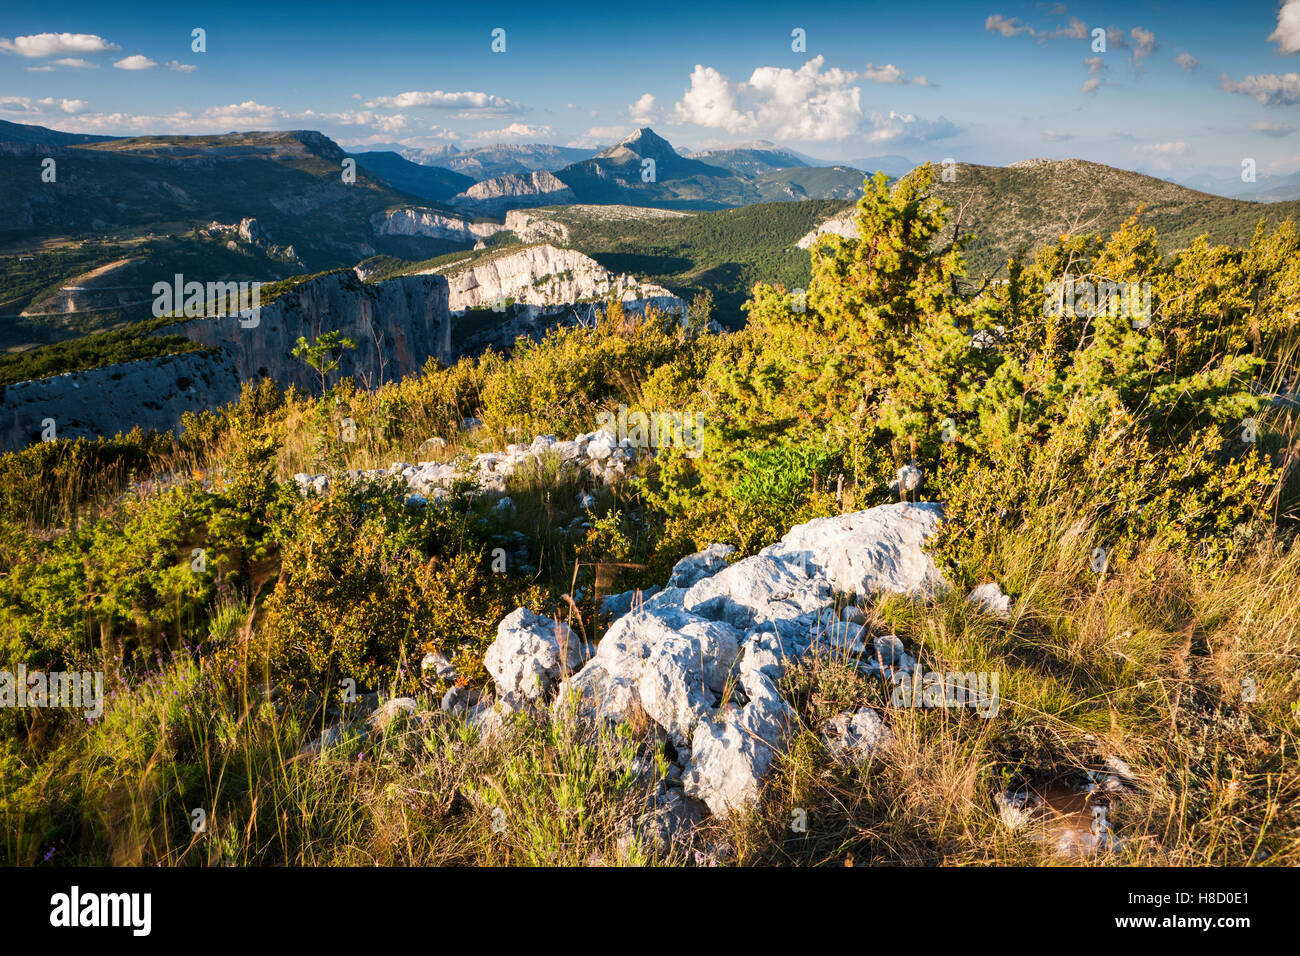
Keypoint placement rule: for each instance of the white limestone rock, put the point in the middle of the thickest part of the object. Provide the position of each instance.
(852, 737)
(531, 655)
(990, 599)
(696, 567)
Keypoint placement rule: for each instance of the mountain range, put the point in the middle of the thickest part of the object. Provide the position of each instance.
(122, 212)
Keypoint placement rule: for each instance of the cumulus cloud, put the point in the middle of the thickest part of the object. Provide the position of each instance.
(1144, 42)
(67, 106)
(215, 119)
(1287, 34)
(1268, 89)
(804, 104)
(1008, 27)
(470, 102)
(54, 44)
(137, 61)
(895, 127)
(387, 123)
(1056, 136)
(1276, 130)
(1076, 29)
(76, 63)
(883, 74)
(177, 67)
(1096, 69)
(1187, 62)
(17, 104)
(644, 112)
(514, 131)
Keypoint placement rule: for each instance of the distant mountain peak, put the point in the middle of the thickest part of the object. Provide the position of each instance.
(645, 143)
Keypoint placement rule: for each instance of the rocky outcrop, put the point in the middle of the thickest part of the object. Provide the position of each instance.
(594, 454)
(704, 661)
(430, 224)
(149, 393)
(531, 655)
(547, 277)
(514, 191)
(398, 325)
(845, 224)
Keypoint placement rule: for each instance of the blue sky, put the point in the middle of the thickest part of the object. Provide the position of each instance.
(1181, 88)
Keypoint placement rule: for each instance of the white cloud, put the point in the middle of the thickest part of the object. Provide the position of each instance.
(1056, 136)
(215, 119)
(16, 104)
(895, 127)
(68, 106)
(644, 112)
(1007, 27)
(52, 44)
(76, 63)
(137, 61)
(883, 74)
(1287, 34)
(471, 102)
(1268, 89)
(1145, 43)
(1096, 69)
(386, 123)
(1076, 29)
(805, 104)
(1187, 62)
(177, 67)
(514, 131)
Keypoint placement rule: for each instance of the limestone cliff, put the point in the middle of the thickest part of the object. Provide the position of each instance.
(430, 224)
(495, 196)
(545, 275)
(398, 325)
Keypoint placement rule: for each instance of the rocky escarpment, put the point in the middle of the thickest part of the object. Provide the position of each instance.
(150, 393)
(494, 196)
(845, 224)
(546, 275)
(539, 225)
(397, 326)
(422, 222)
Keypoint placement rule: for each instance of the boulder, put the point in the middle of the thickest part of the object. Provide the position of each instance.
(391, 712)
(531, 655)
(852, 737)
(702, 564)
(877, 550)
(731, 756)
(990, 599)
